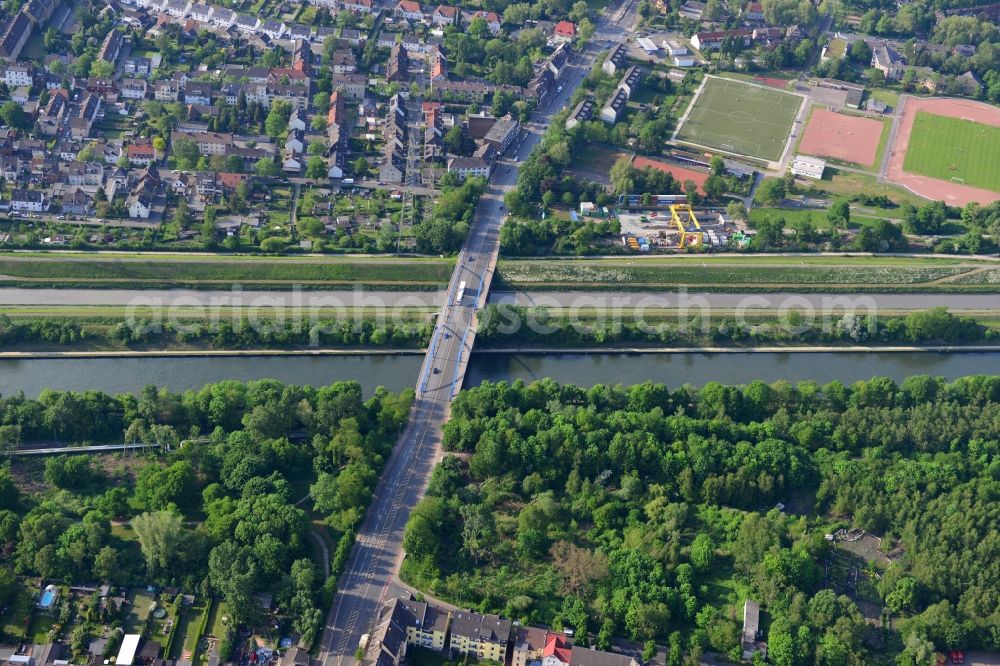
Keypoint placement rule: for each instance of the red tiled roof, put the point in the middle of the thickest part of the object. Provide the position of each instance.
(565, 28)
(409, 6)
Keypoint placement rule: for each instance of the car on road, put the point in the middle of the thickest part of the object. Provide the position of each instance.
(437, 371)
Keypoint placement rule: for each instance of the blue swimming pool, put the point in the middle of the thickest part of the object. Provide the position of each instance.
(48, 596)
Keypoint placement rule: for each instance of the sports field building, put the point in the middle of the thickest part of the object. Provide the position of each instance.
(808, 167)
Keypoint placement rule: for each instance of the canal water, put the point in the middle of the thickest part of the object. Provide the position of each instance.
(114, 375)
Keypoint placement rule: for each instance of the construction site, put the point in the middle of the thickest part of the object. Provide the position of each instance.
(668, 222)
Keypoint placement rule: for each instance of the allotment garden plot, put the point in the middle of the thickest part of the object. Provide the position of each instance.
(740, 118)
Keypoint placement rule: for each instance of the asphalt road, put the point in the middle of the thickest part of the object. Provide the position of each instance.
(392, 300)
(368, 579)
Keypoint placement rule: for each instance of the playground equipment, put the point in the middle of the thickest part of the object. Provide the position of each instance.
(683, 217)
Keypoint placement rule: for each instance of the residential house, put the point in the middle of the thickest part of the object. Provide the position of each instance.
(223, 17)
(582, 112)
(246, 23)
(466, 167)
(750, 637)
(140, 201)
(297, 120)
(201, 12)
(134, 88)
(77, 203)
(28, 201)
(166, 91)
(754, 12)
(350, 36)
(712, 40)
(692, 9)
(630, 80)
(112, 46)
(398, 64)
(353, 85)
(529, 642)
(295, 142)
(137, 66)
(426, 626)
(387, 640)
(273, 29)
(140, 154)
(19, 74)
(492, 20)
(359, 6)
(83, 174)
(393, 165)
(888, 61)
(15, 36)
(970, 84)
(409, 10)
(445, 15)
(564, 31)
(480, 636)
(198, 92)
(387, 40)
(209, 143)
(614, 107)
(343, 61)
(586, 657)
(615, 60)
(502, 133)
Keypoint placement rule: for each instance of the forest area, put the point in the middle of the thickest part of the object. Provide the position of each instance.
(228, 509)
(653, 513)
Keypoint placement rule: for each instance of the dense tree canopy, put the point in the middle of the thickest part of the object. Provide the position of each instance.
(649, 512)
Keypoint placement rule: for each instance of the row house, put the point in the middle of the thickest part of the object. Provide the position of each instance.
(222, 17)
(273, 29)
(581, 113)
(112, 47)
(480, 636)
(614, 107)
(246, 23)
(15, 36)
(615, 60)
(176, 8)
(201, 12)
(398, 65)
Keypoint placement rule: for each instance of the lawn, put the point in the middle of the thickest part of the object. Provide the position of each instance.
(18, 613)
(954, 149)
(189, 623)
(849, 183)
(216, 624)
(727, 274)
(163, 271)
(139, 605)
(40, 627)
(741, 118)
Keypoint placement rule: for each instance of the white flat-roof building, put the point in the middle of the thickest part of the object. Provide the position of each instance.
(808, 167)
(130, 645)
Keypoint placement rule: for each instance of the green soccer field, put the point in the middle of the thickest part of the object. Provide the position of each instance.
(954, 149)
(741, 118)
